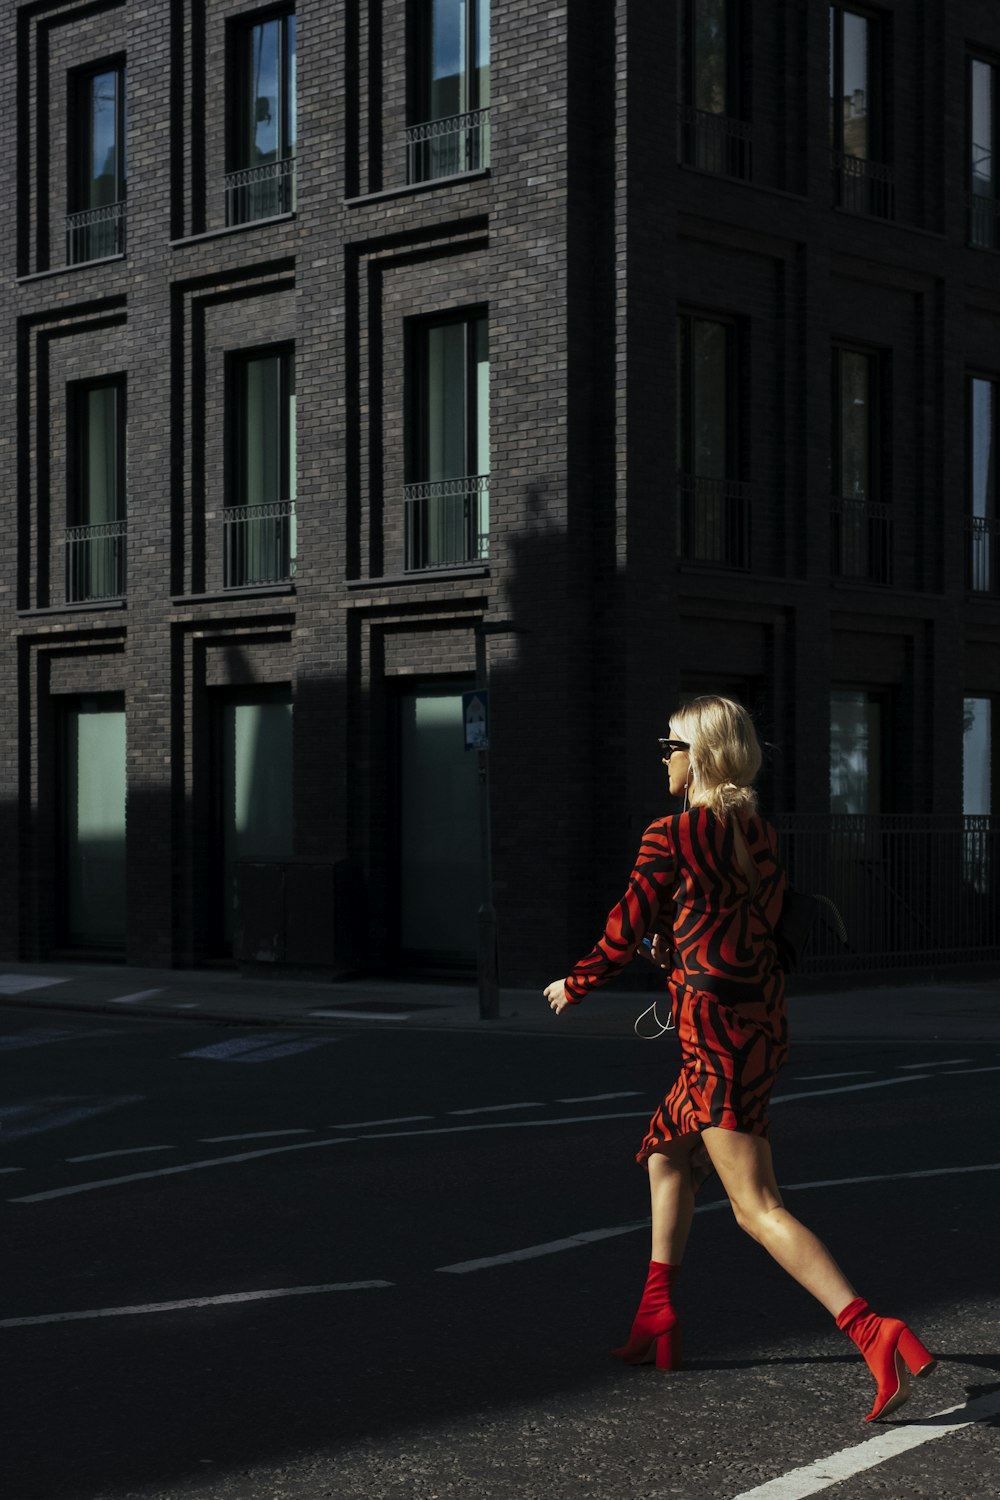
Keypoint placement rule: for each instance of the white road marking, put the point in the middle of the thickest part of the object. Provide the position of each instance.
(186, 1005)
(950, 1062)
(18, 984)
(572, 1242)
(360, 1015)
(494, 1109)
(367, 1124)
(237, 1046)
(818, 1077)
(811, 1478)
(190, 1166)
(38, 1036)
(961, 1072)
(285, 1049)
(128, 1151)
(595, 1098)
(5, 1170)
(252, 1135)
(155, 1307)
(35, 1120)
(132, 999)
(850, 1088)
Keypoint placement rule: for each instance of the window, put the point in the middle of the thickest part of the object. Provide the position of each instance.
(713, 506)
(712, 135)
(862, 180)
(861, 524)
(447, 501)
(982, 524)
(857, 751)
(263, 124)
(978, 778)
(96, 529)
(450, 89)
(91, 864)
(259, 523)
(95, 225)
(984, 132)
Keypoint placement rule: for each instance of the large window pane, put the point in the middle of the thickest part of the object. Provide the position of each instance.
(260, 532)
(446, 406)
(451, 93)
(93, 864)
(856, 733)
(101, 497)
(264, 131)
(855, 423)
(710, 56)
(984, 456)
(447, 501)
(977, 758)
(102, 178)
(856, 85)
(256, 790)
(982, 111)
(710, 398)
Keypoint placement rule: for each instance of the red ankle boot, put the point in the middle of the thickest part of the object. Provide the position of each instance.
(655, 1327)
(890, 1350)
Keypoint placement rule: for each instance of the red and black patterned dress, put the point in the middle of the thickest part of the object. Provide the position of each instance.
(726, 988)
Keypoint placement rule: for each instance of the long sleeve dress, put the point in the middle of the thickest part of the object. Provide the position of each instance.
(727, 990)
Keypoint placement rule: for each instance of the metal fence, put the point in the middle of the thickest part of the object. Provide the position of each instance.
(914, 891)
(713, 520)
(258, 543)
(860, 539)
(95, 233)
(444, 148)
(95, 562)
(863, 187)
(714, 143)
(983, 221)
(447, 522)
(260, 192)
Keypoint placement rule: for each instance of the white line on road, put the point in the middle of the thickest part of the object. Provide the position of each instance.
(252, 1135)
(133, 998)
(812, 1478)
(359, 1015)
(128, 1151)
(819, 1077)
(850, 1088)
(367, 1124)
(572, 1242)
(16, 984)
(950, 1062)
(32, 1119)
(155, 1307)
(495, 1109)
(5, 1170)
(596, 1098)
(961, 1072)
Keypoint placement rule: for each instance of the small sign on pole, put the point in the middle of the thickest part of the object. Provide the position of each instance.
(476, 718)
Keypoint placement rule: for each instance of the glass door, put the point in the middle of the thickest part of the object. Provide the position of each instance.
(92, 853)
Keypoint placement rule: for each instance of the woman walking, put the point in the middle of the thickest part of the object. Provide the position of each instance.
(708, 888)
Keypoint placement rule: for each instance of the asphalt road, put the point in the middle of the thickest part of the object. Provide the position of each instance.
(365, 1175)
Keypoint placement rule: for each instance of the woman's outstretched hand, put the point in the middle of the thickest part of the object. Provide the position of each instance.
(555, 994)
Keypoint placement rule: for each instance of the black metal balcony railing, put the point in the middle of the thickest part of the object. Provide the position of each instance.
(95, 562)
(983, 221)
(95, 233)
(447, 522)
(863, 187)
(913, 890)
(860, 539)
(444, 148)
(258, 543)
(714, 143)
(260, 192)
(713, 521)
(982, 554)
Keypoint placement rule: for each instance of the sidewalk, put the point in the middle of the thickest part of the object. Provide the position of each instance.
(942, 1009)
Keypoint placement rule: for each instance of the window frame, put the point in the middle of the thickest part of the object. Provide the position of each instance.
(972, 57)
(993, 498)
(877, 80)
(81, 112)
(883, 699)
(239, 102)
(237, 361)
(421, 54)
(735, 90)
(877, 465)
(417, 398)
(78, 490)
(686, 317)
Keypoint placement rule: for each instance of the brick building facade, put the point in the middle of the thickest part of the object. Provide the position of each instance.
(338, 337)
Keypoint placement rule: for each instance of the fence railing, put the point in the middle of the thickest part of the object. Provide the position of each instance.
(447, 522)
(982, 554)
(913, 890)
(260, 192)
(258, 544)
(444, 148)
(714, 143)
(983, 221)
(860, 539)
(863, 187)
(95, 562)
(713, 520)
(95, 233)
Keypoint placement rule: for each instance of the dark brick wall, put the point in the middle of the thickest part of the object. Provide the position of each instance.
(583, 242)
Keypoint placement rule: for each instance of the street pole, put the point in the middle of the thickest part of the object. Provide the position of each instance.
(488, 959)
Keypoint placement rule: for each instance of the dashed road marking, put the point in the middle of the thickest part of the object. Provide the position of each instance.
(949, 1062)
(358, 1015)
(368, 1124)
(127, 1151)
(222, 1301)
(19, 984)
(134, 998)
(260, 1049)
(596, 1098)
(849, 1088)
(253, 1135)
(811, 1478)
(491, 1109)
(819, 1077)
(963, 1072)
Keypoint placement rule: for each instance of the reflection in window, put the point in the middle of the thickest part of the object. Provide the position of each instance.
(255, 778)
(863, 183)
(95, 226)
(856, 736)
(984, 131)
(92, 863)
(977, 757)
(259, 527)
(261, 180)
(95, 537)
(984, 484)
(861, 524)
(451, 93)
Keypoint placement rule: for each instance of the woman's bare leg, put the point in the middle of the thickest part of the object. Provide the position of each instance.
(743, 1163)
(671, 1197)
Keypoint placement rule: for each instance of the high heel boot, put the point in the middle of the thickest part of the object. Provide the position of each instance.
(892, 1352)
(656, 1333)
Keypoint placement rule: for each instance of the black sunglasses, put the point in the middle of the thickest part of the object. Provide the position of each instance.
(667, 747)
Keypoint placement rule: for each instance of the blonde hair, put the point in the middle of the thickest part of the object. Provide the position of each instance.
(725, 753)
